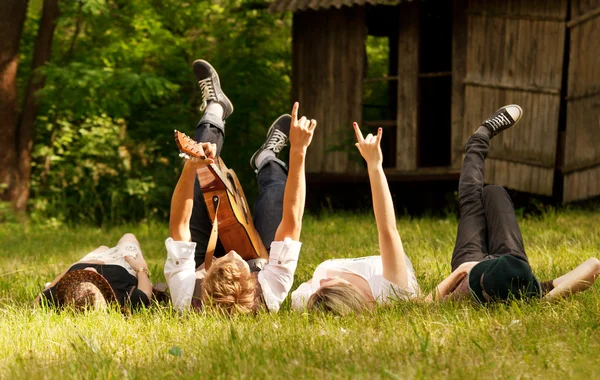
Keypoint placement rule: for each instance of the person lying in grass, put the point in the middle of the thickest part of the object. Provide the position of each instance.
(343, 286)
(116, 275)
(489, 262)
(229, 284)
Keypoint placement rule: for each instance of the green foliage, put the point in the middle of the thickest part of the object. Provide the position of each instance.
(120, 81)
(404, 340)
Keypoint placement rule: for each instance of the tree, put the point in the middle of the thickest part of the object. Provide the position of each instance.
(15, 170)
(12, 19)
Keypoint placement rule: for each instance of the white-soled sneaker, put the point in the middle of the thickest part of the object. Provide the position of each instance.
(277, 138)
(503, 118)
(208, 80)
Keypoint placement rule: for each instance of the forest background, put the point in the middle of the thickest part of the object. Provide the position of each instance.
(93, 105)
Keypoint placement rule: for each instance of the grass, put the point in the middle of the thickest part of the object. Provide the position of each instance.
(406, 340)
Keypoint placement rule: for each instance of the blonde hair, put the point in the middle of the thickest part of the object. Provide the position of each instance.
(229, 286)
(339, 299)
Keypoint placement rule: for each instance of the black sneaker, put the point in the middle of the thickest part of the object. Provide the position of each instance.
(277, 138)
(208, 80)
(504, 118)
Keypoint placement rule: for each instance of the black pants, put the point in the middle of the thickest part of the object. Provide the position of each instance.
(488, 225)
(268, 209)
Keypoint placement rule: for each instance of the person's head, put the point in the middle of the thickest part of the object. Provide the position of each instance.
(503, 278)
(338, 296)
(229, 285)
(84, 289)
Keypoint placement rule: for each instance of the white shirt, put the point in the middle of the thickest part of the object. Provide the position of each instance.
(370, 268)
(276, 278)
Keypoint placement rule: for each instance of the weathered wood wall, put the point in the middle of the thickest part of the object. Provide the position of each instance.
(515, 55)
(408, 87)
(582, 145)
(328, 61)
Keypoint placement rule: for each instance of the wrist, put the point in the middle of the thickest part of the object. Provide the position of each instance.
(374, 166)
(298, 150)
(142, 270)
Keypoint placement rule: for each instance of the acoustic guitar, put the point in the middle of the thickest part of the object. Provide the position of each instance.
(224, 194)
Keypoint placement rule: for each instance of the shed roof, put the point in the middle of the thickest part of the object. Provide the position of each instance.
(302, 5)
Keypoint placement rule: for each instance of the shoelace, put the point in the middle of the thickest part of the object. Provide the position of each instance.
(208, 92)
(498, 121)
(277, 141)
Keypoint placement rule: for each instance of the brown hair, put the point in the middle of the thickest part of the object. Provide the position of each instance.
(339, 299)
(229, 286)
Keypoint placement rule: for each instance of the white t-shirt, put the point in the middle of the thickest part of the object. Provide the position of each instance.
(370, 268)
(276, 278)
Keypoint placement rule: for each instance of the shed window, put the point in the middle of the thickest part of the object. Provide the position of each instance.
(380, 85)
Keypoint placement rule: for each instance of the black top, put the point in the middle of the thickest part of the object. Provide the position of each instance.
(122, 282)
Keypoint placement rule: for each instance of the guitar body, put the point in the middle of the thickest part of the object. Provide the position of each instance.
(236, 227)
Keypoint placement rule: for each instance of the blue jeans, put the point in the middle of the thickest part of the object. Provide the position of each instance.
(268, 209)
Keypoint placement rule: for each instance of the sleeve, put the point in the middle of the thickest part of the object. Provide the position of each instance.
(301, 295)
(277, 277)
(391, 291)
(180, 272)
(139, 299)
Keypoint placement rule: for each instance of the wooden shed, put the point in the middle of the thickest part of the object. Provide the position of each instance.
(429, 71)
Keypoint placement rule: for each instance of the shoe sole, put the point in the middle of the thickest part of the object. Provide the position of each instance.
(268, 133)
(211, 69)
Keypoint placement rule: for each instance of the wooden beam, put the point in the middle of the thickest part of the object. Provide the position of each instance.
(583, 18)
(506, 86)
(459, 72)
(408, 87)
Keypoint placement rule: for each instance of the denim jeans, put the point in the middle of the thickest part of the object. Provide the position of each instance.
(268, 209)
(488, 226)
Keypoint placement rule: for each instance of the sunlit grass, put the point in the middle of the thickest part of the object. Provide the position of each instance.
(560, 340)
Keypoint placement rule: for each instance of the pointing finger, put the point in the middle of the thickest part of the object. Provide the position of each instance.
(359, 136)
(295, 112)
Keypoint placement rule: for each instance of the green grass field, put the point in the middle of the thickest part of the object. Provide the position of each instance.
(406, 340)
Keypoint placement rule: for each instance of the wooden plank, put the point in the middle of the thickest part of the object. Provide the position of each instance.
(553, 9)
(524, 54)
(329, 88)
(584, 17)
(521, 177)
(580, 7)
(582, 157)
(582, 184)
(459, 72)
(408, 87)
(533, 140)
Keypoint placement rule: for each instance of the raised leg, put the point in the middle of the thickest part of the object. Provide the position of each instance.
(471, 237)
(504, 235)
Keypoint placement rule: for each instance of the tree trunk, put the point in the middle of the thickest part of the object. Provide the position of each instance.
(12, 19)
(41, 55)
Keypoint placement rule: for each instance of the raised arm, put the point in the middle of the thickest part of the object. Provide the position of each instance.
(577, 280)
(301, 133)
(182, 201)
(390, 245)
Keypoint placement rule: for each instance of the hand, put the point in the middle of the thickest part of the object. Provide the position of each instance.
(369, 147)
(467, 266)
(136, 263)
(207, 156)
(301, 131)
